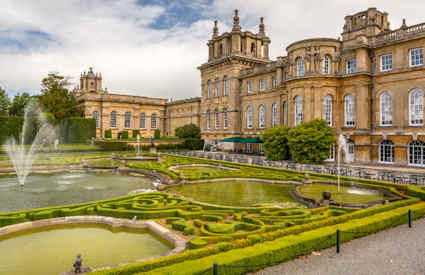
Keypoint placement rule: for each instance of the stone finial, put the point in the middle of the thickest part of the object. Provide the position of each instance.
(261, 27)
(236, 26)
(215, 29)
(403, 26)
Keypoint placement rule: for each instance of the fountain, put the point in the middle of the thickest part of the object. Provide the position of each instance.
(36, 131)
(342, 145)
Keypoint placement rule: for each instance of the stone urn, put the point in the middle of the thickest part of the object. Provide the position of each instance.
(306, 178)
(181, 176)
(326, 195)
(84, 164)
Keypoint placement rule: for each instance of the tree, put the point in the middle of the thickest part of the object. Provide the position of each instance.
(56, 99)
(4, 103)
(311, 142)
(18, 104)
(188, 131)
(276, 143)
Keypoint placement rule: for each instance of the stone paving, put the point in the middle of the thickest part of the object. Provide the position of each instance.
(395, 251)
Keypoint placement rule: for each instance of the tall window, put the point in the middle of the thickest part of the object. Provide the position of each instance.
(216, 87)
(249, 117)
(274, 81)
(386, 151)
(209, 89)
(143, 120)
(96, 117)
(386, 111)
(325, 64)
(416, 107)
(349, 108)
(127, 120)
(285, 114)
(262, 85)
(327, 109)
(113, 119)
(249, 84)
(225, 118)
(386, 62)
(225, 86)
(416, 152)
(351, 66)
(208, 119)
(298, 110)
(416, 57)
(216, 120)
(274, 114)
(261, 117)
(153, 121)
(300, 67)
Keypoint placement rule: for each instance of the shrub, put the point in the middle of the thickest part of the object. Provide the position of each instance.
(276, 143)
(211, 218)
(135, 133)
(124, 134)
(189, 230)
(311, 142)
(10, 126)
(196, 243)
(194, 144)
(179, 225)
(76, 130)
(188, 131)
(108, 133)
(157, 134)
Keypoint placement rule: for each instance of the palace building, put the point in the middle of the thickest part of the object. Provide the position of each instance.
(369, 86)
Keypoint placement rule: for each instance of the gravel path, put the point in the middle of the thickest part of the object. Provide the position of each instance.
(399, 250)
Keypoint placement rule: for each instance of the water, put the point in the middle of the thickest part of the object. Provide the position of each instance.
(52, 250)
(22, 156)
(60, 189)
(237, 193)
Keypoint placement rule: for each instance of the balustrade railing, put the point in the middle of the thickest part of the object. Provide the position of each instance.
(401, 33)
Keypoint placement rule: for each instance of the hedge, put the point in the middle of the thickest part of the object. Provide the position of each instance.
(124, 134)
(10, 126)
(76, 130)
(135, 133)
(106, 145)
(108, 133)
(194, 144)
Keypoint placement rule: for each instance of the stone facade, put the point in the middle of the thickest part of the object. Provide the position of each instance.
(369, 86)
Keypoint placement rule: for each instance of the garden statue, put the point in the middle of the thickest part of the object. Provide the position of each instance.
(56, 144)
(78, 263)
(326, 195)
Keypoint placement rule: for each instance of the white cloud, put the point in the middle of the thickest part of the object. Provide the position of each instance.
(116, 38)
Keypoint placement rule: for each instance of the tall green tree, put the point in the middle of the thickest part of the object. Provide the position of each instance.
(18, 104)
(4, 103)
(311, 142)
(56, 99)
(276, 143)
(188, 131)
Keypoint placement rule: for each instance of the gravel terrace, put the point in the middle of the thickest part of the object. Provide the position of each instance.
(399, 250)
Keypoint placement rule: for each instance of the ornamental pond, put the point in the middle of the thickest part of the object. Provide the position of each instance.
(52, 250)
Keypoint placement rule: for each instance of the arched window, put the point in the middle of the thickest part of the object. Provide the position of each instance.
(143, 120)
(216, 87)
(208, 119)
(216, 120)
(113, 119)
(127, 120)
(298, 110)
(249, 117)
(349, 108)
(274, 115)
(253, 48)
(327, 109)
(326, 64)
(225, 86)
(261, 117)
(386, 151)
(96, 117)
(153, 121)
(300, 67)
(416, 152)
(225, 118)
(416, 107)
(208, 88)
(386, 110)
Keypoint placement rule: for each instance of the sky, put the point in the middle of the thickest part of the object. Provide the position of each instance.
(153, 47)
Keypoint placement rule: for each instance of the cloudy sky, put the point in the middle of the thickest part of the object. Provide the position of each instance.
(152, 47)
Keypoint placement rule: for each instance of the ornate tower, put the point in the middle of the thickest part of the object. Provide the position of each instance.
(90, 82)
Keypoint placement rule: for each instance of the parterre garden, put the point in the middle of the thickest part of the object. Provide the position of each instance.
(247, 238)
